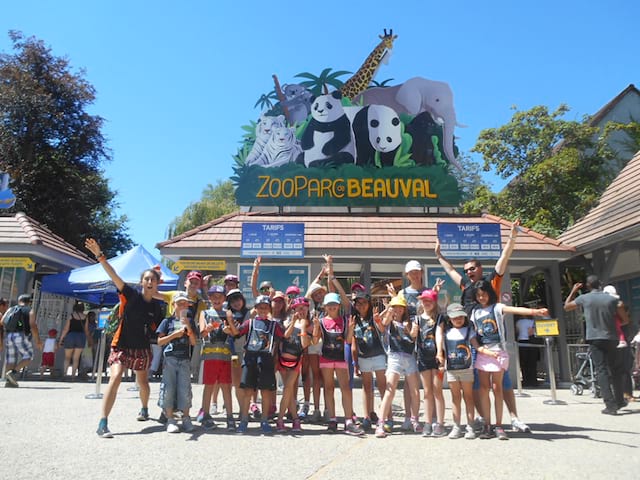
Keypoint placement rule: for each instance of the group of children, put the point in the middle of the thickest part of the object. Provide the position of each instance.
(329, 335)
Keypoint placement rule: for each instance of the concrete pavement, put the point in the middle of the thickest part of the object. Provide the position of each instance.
(48, 430)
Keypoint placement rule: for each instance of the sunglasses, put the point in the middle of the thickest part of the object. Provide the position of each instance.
(265, 289)
(470, 269)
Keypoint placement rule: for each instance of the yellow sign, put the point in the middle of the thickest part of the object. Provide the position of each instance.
(212, 265)
(547, 328)
(18, 262)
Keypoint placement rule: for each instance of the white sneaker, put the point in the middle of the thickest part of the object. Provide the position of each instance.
(478, 424)
(519, 426)
(470, 434)
(456, 432)
(172, 426)
(214, 409)
(406, 425)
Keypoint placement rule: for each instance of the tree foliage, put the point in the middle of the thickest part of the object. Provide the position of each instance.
(216, 201)
(53, 148)
(557, 169)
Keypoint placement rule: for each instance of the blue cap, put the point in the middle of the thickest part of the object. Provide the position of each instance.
(216, 289)
(331, 298)
(263, 300)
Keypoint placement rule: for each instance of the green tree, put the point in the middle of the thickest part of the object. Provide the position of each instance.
(316, 84)
(53, 149)
(216, 201)
(556, 166)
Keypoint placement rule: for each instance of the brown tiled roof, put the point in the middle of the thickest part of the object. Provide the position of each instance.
(617, 213)
(364, 232)
(21, 230)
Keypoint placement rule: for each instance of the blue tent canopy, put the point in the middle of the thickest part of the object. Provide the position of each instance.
(92, 284)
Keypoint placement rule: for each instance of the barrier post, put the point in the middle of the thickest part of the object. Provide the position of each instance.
(98, 394)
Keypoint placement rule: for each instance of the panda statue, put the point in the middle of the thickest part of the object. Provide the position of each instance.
(327, 139)
(377, 128)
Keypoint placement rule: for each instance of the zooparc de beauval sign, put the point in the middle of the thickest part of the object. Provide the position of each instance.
(353, 146)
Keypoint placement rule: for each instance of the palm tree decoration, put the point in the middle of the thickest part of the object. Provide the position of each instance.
(315, 84)
(375, 83)
(265, 102)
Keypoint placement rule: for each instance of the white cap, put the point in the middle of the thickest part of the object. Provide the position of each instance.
(611, 290)
(412, 265)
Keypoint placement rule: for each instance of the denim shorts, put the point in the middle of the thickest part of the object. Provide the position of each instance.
(372, 364)
(401, 363)
(75, 340)
(176, 377)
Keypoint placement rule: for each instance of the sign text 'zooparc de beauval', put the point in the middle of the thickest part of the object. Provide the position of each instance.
(358, 145)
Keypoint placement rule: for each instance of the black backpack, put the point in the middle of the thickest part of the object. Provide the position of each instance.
(14, 320)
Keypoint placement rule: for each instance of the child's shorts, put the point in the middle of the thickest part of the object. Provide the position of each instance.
(401, 363)
(215, 371)
(48, 359)
(258, 373)
(372, 364)
(462, 375)
(487, 363)
(328, 363)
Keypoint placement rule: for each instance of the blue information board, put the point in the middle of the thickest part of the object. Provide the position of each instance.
(282, 240)
(280, 276)
(449, 292)
(470, 240)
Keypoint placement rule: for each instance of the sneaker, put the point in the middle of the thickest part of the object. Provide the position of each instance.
(143, 416)
(478, 424)
(438, 430)
(103, 430)
(501, 434)
(353, 429)
(380, 433)
(366, 424)
(162, 418)
(187, 425)
(266, 428)
(200, 416)
(610, 411)
(486, 433)
(456, 432)
(208, 422)
(255, 411)
(470, 434)
(10, 378)
(231, 424)
(388, 426)
(519, 426)
(214, 409)
(297, 427)
(280, 428)
(427, 430)
(303, 411)
(242, 428)
(406, 425)
(172, 426)
(622, 344)
(316, 417)
(416, 426)
(373, 417)
(333, 426)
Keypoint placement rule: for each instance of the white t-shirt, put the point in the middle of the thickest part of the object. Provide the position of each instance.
(49, 345)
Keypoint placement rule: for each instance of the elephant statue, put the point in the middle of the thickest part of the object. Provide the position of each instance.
(415, 96)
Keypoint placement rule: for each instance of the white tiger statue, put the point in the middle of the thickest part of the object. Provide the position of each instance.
(264, 129)
(283, 147)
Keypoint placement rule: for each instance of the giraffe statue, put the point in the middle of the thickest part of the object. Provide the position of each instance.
(359, 82)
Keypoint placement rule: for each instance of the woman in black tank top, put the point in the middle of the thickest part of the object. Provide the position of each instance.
(75, 335)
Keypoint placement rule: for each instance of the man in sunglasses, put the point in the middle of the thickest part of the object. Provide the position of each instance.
(474, 272)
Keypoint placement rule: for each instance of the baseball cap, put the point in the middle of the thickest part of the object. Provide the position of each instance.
(194, 274)
(357, 286)
(233, 292)
(278, 294)
(53, 332)
(181, 296)
(456, 310)
(231, 278)
(25, 298)
(299, 301)
(265, 284)
(331, 297)
(611, 290)
(314, 287)
(412, 265)
(263, 300)
(429, 294)
(359, 294)
(292, 290)
(215, 289)
(398, 301)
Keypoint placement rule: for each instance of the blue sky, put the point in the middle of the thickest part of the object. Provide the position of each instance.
(175, 81)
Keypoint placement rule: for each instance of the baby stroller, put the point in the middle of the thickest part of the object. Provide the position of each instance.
(585, 377)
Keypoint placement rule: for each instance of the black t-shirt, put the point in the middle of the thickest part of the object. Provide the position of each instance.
(140, 321)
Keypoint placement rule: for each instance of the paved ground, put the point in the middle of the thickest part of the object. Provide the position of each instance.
(48, 430)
